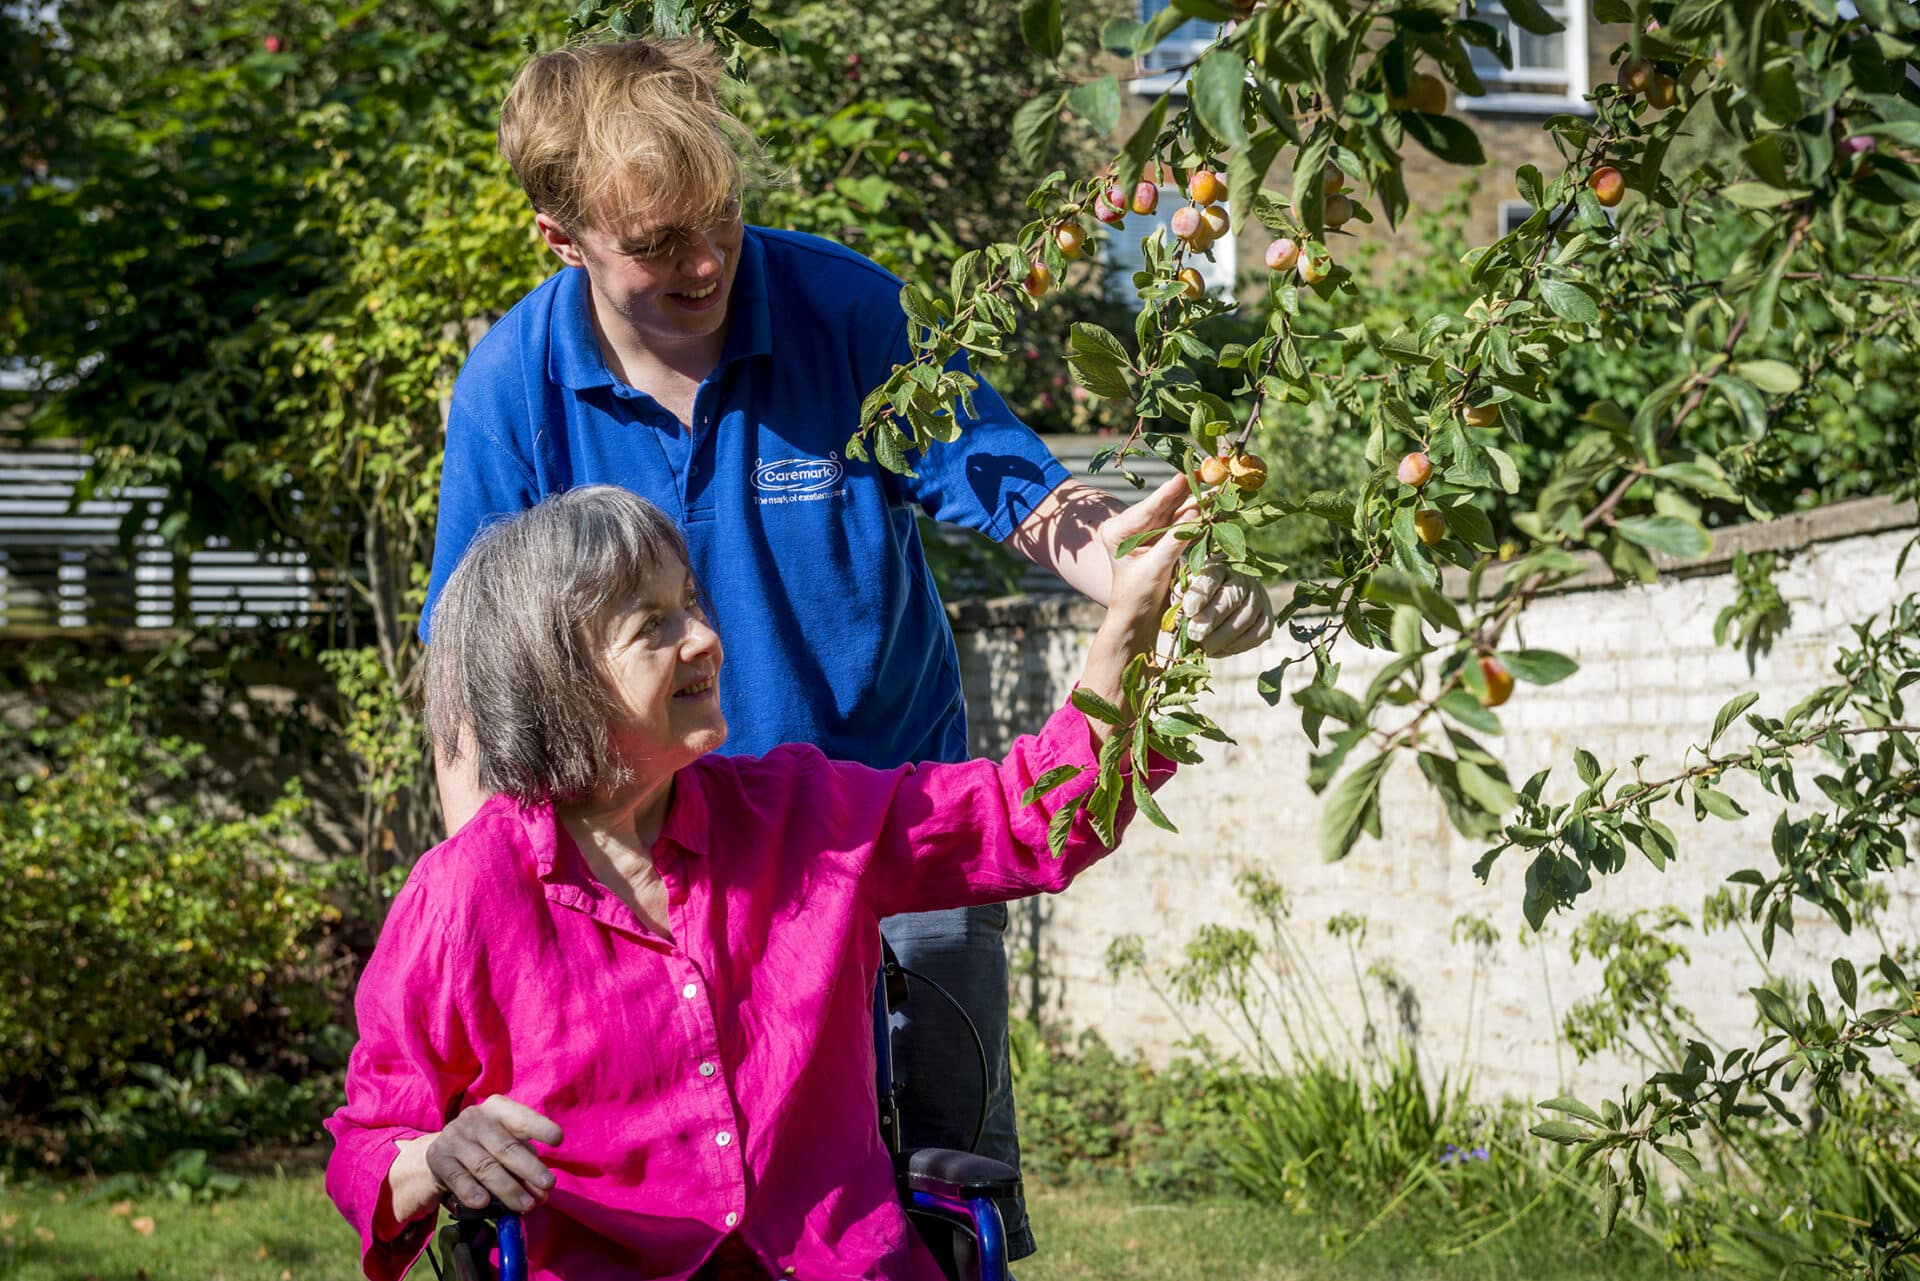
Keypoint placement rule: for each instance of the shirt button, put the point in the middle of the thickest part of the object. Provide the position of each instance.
(732, 1218)
(690, 991)
(723, 1138)
(707, 1069)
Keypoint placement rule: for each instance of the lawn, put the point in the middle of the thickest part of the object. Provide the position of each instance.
(282, 1228)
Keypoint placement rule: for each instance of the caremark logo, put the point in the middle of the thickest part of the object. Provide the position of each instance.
(798, 475)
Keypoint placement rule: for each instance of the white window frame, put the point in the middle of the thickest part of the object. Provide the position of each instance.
(1573, 76)
(1512, 214)
(1182, 46)
(1218, 273)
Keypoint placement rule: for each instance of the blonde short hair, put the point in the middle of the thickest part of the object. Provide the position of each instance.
(614, 135)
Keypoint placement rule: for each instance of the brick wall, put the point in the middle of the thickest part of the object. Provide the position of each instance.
(1651, 681)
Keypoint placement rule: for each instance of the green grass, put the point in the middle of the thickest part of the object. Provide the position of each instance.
(282, 1228)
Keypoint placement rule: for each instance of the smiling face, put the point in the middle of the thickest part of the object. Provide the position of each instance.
(661, 660)
(666, 284)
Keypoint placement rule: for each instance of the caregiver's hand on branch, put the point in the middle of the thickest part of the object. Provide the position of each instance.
(1227, 613)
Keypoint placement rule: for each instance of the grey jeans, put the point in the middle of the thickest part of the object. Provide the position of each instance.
(965, 952)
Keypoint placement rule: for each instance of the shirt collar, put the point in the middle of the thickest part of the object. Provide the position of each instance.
(685, 824)
(575, 361)
(688, 814)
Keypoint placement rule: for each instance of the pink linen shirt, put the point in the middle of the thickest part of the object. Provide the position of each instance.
(721, 1083)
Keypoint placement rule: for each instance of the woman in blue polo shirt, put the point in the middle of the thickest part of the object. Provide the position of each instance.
(718, 371)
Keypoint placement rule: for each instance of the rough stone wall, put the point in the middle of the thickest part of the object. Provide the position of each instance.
(1651, 681)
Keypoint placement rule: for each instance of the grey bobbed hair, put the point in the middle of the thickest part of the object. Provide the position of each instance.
(512, 673)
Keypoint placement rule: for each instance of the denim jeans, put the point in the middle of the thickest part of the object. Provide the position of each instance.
(965, 952)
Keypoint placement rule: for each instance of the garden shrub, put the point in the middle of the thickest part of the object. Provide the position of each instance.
(1087, 1114)
(142, 930)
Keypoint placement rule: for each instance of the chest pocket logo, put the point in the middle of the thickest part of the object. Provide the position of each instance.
(797, 479)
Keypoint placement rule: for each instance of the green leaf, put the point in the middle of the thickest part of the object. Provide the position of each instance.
(1491, 791)
(1760, 195)
(1219, 84)
(1060, 826)
(1775, 377)
(1098, 102)
(1569, 302)
(1048, 781)
(1143, 800)
(1734, 706)
(1040, 24)
(1775, 1009)
(1247, 169)
(1353, 806)
(1097, 707)
(1845, 980)
(1572, 1107)
(1034, 126)
(1147, 132)
(1530, 17)
(1466, 709)
(1098, 362)
(1669, 534)
(1445, 137)
(1560, 1132)
(1681, 1157)
(1540, 666)
(1718, 804)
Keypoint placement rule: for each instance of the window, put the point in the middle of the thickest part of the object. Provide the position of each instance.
(1162, 67)
(1120, 250)
(1549, 73)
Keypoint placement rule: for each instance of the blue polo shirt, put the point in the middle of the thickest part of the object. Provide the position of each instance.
(812, 562)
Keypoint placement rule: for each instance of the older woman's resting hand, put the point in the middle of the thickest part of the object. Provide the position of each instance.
(482, 1154)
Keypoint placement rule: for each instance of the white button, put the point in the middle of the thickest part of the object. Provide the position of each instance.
(707, 1069)
(732, 1218)
(723, 1138)
(690, 991)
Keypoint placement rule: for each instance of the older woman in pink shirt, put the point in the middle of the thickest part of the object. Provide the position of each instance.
(631, 998)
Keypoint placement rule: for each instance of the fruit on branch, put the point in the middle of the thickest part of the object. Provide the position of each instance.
(1859, 144)
(1416, 469)
(1335, 211)
(1111, 207)
(1146, 198)
(1071, 239)
(1195, 288)
(1282, 254)
(1216, 222)
(1430, 525)
(1634, 76)
(1186, 225)
(1333, 179)
(1499, 682)
(1660, 91)
(1426, 94)
(1481, 415)
(1608, 184)
(1213, 470)
(1205, 187)
(1249, 471)
(1314, 268)
(1038, 281)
